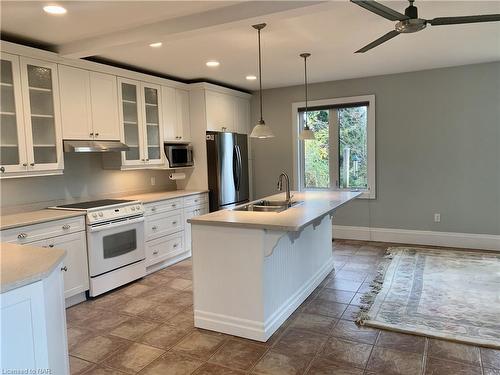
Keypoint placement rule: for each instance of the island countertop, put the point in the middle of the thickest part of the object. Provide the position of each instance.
(316, 204)
(24, 264)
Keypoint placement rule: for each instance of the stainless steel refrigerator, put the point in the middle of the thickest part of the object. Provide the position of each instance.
(227, 161)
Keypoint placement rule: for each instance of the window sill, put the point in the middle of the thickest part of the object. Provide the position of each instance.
(366, 193)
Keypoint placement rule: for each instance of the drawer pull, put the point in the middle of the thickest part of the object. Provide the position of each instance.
(155, 252)
(175, 245)
(51, 245)
(154, 228)
(153, 209)
(196, 201)
(65, 269)
(66, 226)
(174, 222)
(22, 235)
(174, 205)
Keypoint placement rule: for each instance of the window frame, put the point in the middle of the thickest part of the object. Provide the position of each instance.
(298, 145)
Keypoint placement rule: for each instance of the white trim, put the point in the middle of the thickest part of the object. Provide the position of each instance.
(297, 177)
(419, 237)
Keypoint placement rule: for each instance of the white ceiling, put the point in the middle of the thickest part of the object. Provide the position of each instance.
(331, 32)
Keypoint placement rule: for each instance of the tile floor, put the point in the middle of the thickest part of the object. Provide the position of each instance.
(147, 328)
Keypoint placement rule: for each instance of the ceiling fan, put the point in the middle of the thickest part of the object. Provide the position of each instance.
(410, 23)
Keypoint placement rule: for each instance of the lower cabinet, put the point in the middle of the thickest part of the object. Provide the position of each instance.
(34, 334)
(168, 235)
(76, 277)
(67, 234)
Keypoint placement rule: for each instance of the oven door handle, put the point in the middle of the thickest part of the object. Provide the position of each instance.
(98, 228)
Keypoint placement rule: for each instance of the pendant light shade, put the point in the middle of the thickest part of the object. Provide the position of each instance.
(306, 133)
(261, 130)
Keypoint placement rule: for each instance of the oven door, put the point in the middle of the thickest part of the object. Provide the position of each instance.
(115, 244)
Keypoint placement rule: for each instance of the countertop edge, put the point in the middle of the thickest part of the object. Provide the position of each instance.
(158, 199)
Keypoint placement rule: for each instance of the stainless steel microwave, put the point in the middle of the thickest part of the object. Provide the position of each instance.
(179, 155)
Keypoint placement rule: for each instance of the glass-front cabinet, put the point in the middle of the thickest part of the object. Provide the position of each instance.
(139, 115)
(13, 156)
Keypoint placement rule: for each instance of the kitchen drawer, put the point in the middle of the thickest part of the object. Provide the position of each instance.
(195, 200)
(42, 231)
(164, 248)
(163, 206)
(159, 225)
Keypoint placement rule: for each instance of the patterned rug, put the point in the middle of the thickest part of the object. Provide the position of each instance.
(454, 295)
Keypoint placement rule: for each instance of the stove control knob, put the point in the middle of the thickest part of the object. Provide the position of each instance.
(138, 207)
(132, 208)
(101, 214)
(94, 215)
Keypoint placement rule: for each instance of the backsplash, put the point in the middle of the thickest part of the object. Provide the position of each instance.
(83, 179)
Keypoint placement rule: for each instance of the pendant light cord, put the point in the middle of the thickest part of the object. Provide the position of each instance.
(305, 84)
(260, 80)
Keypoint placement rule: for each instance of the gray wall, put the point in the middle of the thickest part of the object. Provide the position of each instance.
(437, 145)
(83, 178)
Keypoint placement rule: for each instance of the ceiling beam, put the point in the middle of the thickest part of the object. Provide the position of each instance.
(186, 26)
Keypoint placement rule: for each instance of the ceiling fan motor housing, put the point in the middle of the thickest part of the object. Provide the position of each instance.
(411, 26)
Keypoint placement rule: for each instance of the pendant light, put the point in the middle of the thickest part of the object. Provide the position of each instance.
(306, 133)
(261, 130)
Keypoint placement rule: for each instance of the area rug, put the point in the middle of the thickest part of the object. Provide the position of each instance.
(448, 294)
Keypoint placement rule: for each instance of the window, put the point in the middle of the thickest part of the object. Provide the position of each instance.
(342, 156)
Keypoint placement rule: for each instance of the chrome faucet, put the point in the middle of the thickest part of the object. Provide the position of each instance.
(280, 185)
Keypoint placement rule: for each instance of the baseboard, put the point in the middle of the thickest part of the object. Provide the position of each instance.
(256, 330)
(419, 237)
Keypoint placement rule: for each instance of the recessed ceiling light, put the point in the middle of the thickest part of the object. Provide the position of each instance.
(156, 44)
(251, 78)
(213, 63)
(54, 9)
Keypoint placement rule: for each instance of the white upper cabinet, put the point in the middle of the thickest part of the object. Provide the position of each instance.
(89, 104)
(176, 121)
(220, 111)
(13, 156)
(140, 115)
(241, 115)
(31, 142)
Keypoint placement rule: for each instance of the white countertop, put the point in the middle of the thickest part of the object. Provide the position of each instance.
(316, 204)
(24, 264)
(21, 219)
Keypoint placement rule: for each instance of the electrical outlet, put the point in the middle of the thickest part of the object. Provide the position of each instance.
(437, 218)
(153, 181)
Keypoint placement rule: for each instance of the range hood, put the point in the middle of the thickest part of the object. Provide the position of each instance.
(94, 146)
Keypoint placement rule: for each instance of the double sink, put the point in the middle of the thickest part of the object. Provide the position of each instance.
(268, 206)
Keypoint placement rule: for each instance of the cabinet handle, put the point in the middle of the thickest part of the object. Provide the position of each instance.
(155, 252)
(32, 164)
(91, 134)
(2, 169)
(147, 159)
(196, 201)
(154, 228)
(25, 164)
(224, 128)
(175, 245)
(174, 222)
(65, 269)
(51, 245)
(174, 205)
(66, 226)
(22, 235)
(153, 209)
(97, 134)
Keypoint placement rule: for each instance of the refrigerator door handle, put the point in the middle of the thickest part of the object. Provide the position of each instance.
(236, 168)
(240, 166)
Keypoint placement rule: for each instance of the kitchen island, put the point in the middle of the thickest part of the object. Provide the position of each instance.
(252, 269)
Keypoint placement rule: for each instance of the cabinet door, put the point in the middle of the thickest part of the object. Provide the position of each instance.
(76, 278)
(242, 115)
(188, 214)
(131, 120)
(183, 119)
(12, 139)
(169, 113)
(76, 113)
(153, 138)
(104, 99)
(220, 111)
(42, 114)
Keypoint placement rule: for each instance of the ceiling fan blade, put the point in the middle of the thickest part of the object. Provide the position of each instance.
(381, 10)
(464, 19)
(375, 43)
